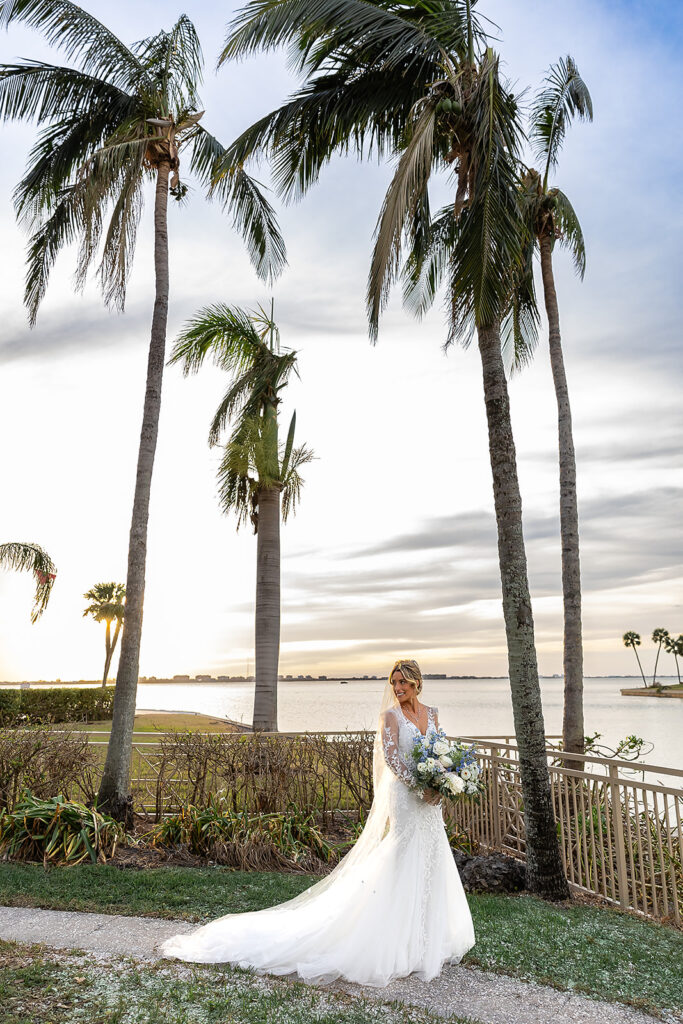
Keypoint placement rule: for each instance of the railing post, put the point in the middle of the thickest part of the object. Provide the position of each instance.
(618, 828)
(496, 809)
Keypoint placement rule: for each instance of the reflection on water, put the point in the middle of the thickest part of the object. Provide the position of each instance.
(466, 707)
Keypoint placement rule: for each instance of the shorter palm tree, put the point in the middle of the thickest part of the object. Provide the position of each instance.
(632, 639)
(31, 558)
(551, 220)
(107, 606)
(675, 646)
(659, 635)
(259, 478)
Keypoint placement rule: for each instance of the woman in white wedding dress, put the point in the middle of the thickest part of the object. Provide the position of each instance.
(393, 906)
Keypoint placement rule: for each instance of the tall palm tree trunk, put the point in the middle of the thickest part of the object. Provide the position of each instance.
(108, 652)
(573, 735)
(267, 638)
(114, 793)
(544, 872)
(112, 649)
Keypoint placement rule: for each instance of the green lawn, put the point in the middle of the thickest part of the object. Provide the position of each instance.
(157, 721)
(604, 953)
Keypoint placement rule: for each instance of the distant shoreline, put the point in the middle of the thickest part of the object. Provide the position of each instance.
(240, 680)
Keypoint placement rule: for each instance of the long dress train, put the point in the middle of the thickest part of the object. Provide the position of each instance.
(401, 910)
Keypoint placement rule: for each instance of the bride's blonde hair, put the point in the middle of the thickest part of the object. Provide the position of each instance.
(410, 670)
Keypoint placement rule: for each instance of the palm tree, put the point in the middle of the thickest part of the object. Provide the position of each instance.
(383, 78)
(675, 646)
(107, 606)
(259, 479)
(31, 558)
(551, 218)
(632, 639)
(120, 119)
(659, 636)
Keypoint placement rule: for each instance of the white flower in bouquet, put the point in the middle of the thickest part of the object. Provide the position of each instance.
(453, 783)
(446, 761)
(466, 774)
(423, 768)
(432, 765)
(441, 747)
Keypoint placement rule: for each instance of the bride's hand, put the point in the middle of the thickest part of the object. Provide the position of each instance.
(432, 796)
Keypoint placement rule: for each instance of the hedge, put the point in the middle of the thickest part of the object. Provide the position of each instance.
(55, 704)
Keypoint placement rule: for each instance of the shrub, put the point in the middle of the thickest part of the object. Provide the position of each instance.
(46, 762)
(262, 773)
(290, 840)
(9, 706)
(55, 704)
(58, 831)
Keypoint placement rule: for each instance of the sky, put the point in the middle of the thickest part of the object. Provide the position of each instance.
(393, 550)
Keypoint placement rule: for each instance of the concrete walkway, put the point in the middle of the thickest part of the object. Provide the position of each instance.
(486, 997)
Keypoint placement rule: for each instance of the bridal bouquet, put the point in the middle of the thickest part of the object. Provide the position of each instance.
(446, 765)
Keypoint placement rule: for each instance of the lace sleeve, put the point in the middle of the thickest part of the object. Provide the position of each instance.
(392, 755)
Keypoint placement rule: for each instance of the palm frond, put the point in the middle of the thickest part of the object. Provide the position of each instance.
(241, 196)
(59, 152)
(113, 176)
(568, 231)
(237, 341)
(36, 90)
(563, 97)
(427, 262)
(404, 198)
(119, 243)
(367, 28)
(57, 231)
(225, 333)
(237, 483)
(245, 398)
(289, 444)
(292, 481)
(79, 35)
(351, 109)
(31, 558)
(488, 249)
(255, 219)
(519, 328)
(174, 59)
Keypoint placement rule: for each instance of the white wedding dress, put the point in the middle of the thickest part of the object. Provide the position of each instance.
(393, 906)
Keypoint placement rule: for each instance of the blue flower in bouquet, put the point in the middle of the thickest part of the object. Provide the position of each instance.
(446, 765)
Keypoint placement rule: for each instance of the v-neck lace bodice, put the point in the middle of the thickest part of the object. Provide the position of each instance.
(430, 720)
(398, 737)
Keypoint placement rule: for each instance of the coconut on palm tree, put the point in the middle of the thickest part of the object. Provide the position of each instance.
(551, 219)
(107, 605)
(259, 478)
(632, 639)
(34, 559)
(123, 118)
(417, 82)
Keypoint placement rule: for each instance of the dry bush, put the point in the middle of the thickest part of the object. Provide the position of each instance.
(46, 763)
(260, 773)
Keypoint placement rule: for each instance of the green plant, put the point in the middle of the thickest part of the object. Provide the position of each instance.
(290, 839)
(55, 704)
(58, 831)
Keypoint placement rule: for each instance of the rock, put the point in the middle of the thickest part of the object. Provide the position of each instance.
(494, 872)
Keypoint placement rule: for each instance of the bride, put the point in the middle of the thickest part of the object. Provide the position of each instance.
(393, 906)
